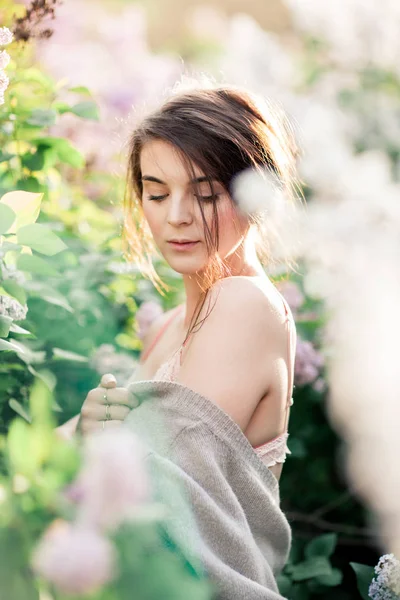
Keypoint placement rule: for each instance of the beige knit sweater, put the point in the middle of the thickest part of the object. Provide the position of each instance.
(223, 501)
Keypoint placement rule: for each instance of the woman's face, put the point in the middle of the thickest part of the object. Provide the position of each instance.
(172, 212)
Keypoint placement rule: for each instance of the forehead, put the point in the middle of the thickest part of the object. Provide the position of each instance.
(162, 159)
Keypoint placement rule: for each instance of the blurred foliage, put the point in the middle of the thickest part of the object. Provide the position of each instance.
(36, 467)
(71, 279)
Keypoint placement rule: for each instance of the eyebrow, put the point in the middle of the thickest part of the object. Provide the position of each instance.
(156, 180)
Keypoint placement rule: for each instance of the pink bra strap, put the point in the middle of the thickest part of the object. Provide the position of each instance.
(160, 333)
(289, 354)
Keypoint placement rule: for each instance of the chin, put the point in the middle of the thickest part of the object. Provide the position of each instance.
(186, 269)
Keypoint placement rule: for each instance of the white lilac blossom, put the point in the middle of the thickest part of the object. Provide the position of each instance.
(113, 484)
(107, 360)
(257, 192)
(342, 243)
(10, 307)
(4, 81)
(386, 584)
(4, 59)
(77, 560)
(5, 36)
(357, 31)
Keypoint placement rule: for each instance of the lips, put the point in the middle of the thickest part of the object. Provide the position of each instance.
(183, 241)
(183, 245)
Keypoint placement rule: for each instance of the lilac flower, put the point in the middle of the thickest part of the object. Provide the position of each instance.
(107, 360)
(386, 586)
(75, 559)
(9, 307)
(307, 364)
(292, 293)
(5, 36)
(146, 315)
(113, 482)
(4, 59)
(4, 81)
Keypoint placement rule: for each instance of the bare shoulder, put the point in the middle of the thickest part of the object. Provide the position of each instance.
(252, 299)
(231, 358)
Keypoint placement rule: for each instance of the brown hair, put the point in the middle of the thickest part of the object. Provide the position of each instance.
(224, 131)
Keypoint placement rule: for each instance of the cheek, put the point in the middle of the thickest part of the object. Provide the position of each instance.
(230, 224)
(153, 218)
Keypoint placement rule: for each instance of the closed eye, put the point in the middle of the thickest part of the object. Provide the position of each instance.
(158, 197)
(210, 198)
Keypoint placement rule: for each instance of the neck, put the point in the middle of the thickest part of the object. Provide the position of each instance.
(242, 261)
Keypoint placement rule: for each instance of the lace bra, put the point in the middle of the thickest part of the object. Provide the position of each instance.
(272, 452)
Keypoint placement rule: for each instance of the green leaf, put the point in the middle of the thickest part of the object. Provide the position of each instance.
(40, 238)
(67, 355)
(70, 155)
(86, 110)
(324, 545)
(66, 152)
(8, 346)
(20, 330)
(35, 264)
(46, 376)
(34, 161)
(26, 354)
(5, 324)
(332, 580)
(29, 184)
(61, 107)
(7, 218)
(19, 409)
(80, 89)
(26, 206)
(15, 290)
(4, 156)
(284, 585)
(364, 575)
(45, 292)
(42, 118)
(308, 569)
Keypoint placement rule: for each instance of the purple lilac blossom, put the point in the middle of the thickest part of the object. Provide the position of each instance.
(307, 364)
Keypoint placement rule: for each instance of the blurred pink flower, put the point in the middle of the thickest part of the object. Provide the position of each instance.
(145, 316)
(113, 481)
(292, 293)
(75, 559)
(307, 364)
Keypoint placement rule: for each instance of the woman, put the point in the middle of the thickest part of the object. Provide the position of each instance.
(230, 345)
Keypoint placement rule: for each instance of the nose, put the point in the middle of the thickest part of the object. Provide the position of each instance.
(180, 210)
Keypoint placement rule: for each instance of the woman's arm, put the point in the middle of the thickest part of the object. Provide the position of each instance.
(233, 357)
(68, 429)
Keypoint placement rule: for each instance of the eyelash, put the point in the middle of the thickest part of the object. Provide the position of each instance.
(205, 198)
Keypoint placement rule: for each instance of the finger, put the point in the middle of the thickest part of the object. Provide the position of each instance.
(122, 396)
(108, 381)
(104, 412)
(89, 427)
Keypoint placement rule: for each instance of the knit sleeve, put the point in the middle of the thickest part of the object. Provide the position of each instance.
(216, 525)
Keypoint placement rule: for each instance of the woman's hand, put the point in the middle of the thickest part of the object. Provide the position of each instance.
(105, 406)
